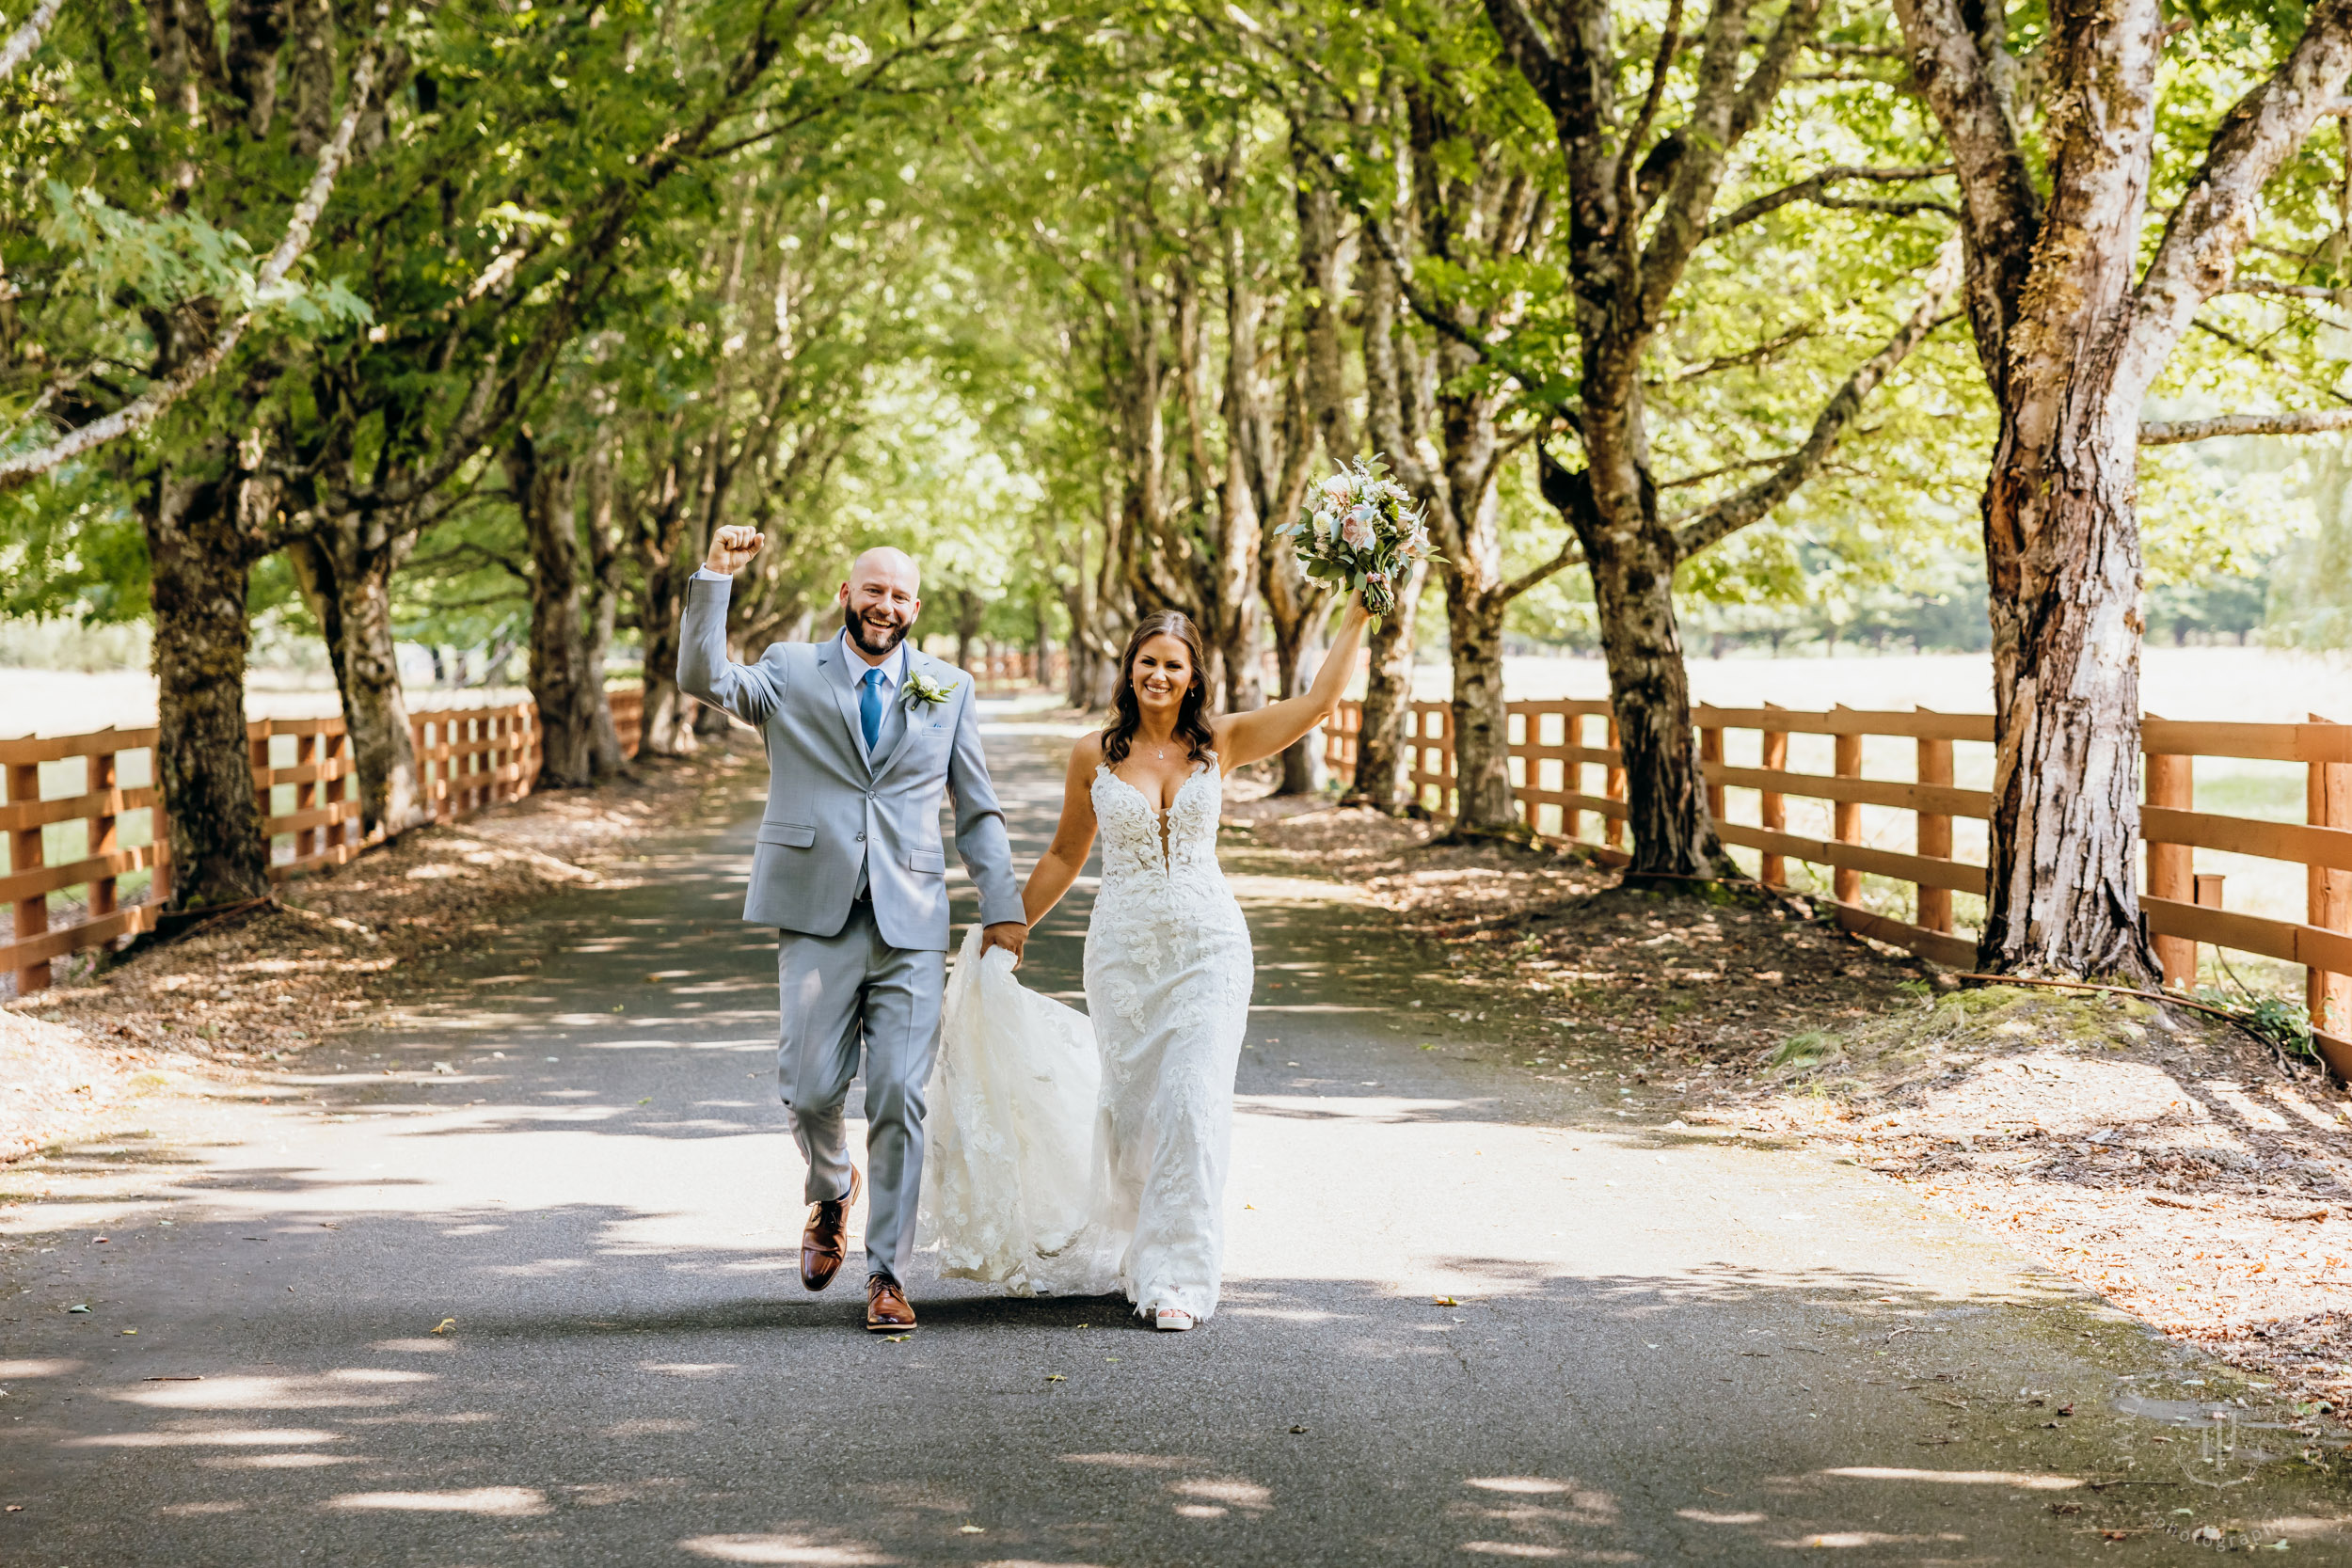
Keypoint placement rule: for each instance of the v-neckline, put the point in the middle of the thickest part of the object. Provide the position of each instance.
(1162, 816)
(1198, 769)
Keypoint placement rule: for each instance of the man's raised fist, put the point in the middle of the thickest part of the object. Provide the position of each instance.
(732, 548)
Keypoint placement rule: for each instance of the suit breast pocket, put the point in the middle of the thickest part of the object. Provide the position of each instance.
(928, 862)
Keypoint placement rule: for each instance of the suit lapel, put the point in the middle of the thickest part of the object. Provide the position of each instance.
(915, 714)
(835, 662)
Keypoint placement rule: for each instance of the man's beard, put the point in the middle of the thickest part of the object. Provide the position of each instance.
(861, 634)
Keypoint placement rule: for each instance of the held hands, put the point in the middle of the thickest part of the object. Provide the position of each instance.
(732, 548)
(1010, 935)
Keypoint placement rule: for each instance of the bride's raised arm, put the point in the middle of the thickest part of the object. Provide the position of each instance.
(1243, 739)
(1073, 836)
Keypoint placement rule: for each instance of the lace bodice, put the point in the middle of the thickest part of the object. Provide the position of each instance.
(1132, 842)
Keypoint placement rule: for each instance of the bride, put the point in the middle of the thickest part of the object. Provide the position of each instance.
(1168, 956)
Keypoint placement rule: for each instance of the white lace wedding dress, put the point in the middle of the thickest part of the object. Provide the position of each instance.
(1168, 979)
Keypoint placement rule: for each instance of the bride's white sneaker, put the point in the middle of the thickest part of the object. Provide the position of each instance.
(1172, 1320)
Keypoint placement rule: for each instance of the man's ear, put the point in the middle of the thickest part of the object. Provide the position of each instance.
(841, 595)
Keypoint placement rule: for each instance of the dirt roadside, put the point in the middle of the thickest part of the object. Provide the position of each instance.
(209, 1010)
(2158, 1157)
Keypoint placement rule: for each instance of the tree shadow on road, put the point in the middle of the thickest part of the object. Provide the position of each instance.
(616, 1387)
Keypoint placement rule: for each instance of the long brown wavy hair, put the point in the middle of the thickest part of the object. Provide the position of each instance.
(1190, 726)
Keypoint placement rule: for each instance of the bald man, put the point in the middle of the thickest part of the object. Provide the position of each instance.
(863, 736)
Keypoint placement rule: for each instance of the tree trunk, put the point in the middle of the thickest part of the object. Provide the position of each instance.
(2062, 898)
(1649, 691)
(1484, 807)
(345, 573)
(1381, 750)
(669, 722)
(570, 695)
(198, 569)
(601, 590)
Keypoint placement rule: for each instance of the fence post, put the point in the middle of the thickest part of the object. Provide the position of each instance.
(105, 834)
(1846, 884)
(308, 795)
(2172, 782)
(1772, 808)
(24, 854)
(1934, 836)
(1613, 786)
(2208, 897)
(1711, 755)
(2330, 799)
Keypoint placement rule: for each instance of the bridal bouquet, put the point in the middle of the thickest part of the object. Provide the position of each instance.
(1362, 531)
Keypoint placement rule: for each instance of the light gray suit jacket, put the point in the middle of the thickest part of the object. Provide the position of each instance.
(830, 809)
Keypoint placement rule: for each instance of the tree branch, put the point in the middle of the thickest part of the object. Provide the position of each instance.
(27, 38)
(2271, 286)
(2216, 215)
(1443, 321)
(1735, 510)
(2001, 207)
(143, 411)
(1571, 554)
(1812, 190)
(2173, 433)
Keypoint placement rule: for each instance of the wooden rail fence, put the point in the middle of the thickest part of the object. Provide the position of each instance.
(467, 759)
(1554, 749)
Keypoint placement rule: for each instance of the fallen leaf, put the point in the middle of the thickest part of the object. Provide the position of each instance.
(1055, 1377)
(447, 1326)
(130, 1331)
(1443, 1301)
(1297, 1431)
(897, 1338)
(77, 1309)
(970, 1529)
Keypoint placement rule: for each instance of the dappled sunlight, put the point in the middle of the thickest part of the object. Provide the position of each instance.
(799, 1549)
(501, 1501)
(229, 1437)
(2023, 1482)
(254, 1393)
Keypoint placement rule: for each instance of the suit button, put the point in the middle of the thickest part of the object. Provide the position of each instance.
(861, 838)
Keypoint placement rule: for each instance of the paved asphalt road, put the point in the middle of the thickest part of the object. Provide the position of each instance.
(1470, 1316)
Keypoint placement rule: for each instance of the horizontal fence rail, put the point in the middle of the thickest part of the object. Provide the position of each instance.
(467, 759)
(1556, 746)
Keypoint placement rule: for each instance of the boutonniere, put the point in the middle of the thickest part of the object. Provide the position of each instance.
(930, 693)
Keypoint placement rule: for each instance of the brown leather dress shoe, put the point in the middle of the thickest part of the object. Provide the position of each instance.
(886, 1309)
(826, 1241)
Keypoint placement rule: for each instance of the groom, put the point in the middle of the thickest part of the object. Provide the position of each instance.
(862, 733)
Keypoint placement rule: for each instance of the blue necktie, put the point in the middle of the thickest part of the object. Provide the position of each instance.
(869, 705)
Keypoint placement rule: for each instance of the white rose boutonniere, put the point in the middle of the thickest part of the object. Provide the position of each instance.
(930, 693)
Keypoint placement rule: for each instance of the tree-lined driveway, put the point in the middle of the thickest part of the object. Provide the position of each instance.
(1467, 1319)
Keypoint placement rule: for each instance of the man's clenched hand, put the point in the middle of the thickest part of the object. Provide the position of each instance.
(1010, 935)
(732, 548)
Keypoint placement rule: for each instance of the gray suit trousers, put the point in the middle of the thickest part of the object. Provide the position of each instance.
(841, 997)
